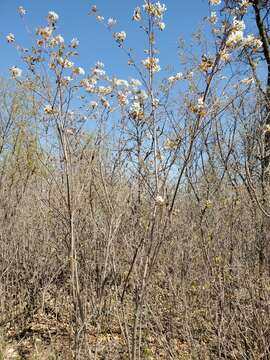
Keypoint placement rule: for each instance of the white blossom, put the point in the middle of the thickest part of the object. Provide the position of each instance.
(137, 14)
(45, 32)
(160, 200)
(99, 18)
(156, 9)
(111, 22)
(213, 17)
(161, 25)
(10, 38)
(15, 72)
(93, 104)
(78, 71)
(52, 17)
(120, 82)
(122, 98)
(74, 43)
(151, 64)
(48, 109)
(135, 83)
(120, 36)
(21, 11)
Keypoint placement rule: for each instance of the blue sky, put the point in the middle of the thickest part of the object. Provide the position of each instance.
(182, 18)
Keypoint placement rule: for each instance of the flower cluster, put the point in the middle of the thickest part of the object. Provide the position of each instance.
(78, 71)
(52, 17)
(177, 77)
(48, 109)
(253, 42)
(156, 10)
(206, 64)
(151, 64)
(45, 32)
(136, 110)
(236, 35)
(198, 108)
(171, 144)
(120, 37)
(160, 201)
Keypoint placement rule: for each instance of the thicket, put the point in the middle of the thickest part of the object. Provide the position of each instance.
(134, 213)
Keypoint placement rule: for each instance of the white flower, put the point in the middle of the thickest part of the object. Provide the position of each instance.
(111, 22)
(238, 25)
(94, 8)
(151, 64)
(178, 76)
(120, 36)
(156, 9)
(90, 88)
(135, 83)
(10, 38)
(99, 65)
(103, 90)
(136, 112)
(246, 3)
(252, 41)
(160, 200)
(120, 82)
(66, 80)
(78, 71)
(213, 17)
(225, 56)
(93, 104)
(235, 38)
(266, 128)
(161, 25)
(99, 18)
(15, 72)
(65, 63)
(74, 43)
(52, 17)
(160, 8)
(21, 11)
(99, 72)
(59, 40)
(45, 32)
(200, 102)
(48, 109)
(170, 144)
(137, 14)
(122, 98)
(155, 103)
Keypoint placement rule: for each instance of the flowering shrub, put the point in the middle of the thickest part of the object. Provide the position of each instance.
(123, 206)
